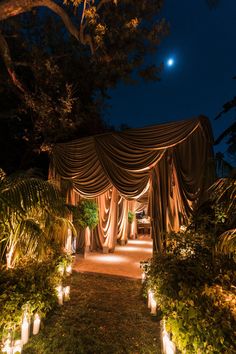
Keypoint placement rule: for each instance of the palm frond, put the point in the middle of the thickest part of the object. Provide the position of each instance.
(227, 242)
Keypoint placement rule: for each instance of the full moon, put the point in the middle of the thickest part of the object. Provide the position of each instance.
(170, 62)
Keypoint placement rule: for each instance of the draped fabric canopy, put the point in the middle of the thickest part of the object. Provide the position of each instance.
(171, 164)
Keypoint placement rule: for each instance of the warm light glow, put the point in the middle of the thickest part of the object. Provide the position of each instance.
(133, 249)
(66, 291)
(60, 294)
(150, 297)
(25, 330)
(7, 347)
(61, 269)
(69, 269)
(109, 258)
(140, 242)
(153, 306)
(183, 228)
(17, 347)
(143, 277)
(68, 245)
(168, 345)
(36, 324)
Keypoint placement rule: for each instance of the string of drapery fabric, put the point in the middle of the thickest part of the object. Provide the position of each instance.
(170, 164)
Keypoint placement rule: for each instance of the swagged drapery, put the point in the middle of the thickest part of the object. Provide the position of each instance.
(170, 165)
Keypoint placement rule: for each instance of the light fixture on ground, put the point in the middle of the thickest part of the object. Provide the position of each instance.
(60, 294)
(66, 291)
(153, 306)
(143, 277)
(36, 324)
(25, 329)
(150, 296)
(69, 269)
(167, 344)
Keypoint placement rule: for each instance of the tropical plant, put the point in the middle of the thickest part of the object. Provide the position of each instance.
(31, 212)
(86, 214)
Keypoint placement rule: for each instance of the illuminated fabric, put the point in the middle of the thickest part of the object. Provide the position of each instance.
(170, 164)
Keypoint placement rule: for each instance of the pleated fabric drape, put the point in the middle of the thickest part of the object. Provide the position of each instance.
(169, 166)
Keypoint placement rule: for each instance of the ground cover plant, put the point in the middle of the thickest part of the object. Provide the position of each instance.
(31, 288)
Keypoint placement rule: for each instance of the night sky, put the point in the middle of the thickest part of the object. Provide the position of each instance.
(202, 42)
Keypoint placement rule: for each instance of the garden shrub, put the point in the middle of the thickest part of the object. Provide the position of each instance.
(30, 285)
(195, 293)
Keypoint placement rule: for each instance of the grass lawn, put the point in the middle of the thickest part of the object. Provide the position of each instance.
(106, 314)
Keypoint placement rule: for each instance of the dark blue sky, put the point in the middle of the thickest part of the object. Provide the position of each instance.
(203, 42)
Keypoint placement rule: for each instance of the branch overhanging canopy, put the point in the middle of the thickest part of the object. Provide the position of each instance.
(170, 164)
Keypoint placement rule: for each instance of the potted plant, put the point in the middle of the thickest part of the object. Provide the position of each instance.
(86, 218)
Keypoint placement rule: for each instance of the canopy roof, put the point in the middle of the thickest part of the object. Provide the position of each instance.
(171, 161)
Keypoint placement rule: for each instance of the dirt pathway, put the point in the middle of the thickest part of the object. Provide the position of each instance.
(106, 315)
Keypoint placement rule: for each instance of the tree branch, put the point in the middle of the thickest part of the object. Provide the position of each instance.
(11, 8)
(5, 53)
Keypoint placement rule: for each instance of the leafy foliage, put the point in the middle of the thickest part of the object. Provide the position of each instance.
(130, 217)
(66, 78)
(32, 218)
(193, 284)
(195, 295)
(30, 285)
(86, 214)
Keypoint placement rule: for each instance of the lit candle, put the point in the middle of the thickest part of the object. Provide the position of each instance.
(153, 306)
(168, 345)
(7, 347)
(25, 330)
(17, 347)
(69, 241)
(36, 324)
(61, 269)
(67, 292)
(143, 277)
(69, 269)
(150, 296)
(60, 295)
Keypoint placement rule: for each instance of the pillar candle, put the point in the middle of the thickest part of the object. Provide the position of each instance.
(17, 346)
(150, 296)
(25, 330)
(60, 295)
(69, 269)
(153, 306)
(67, 293)
(36, 324)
